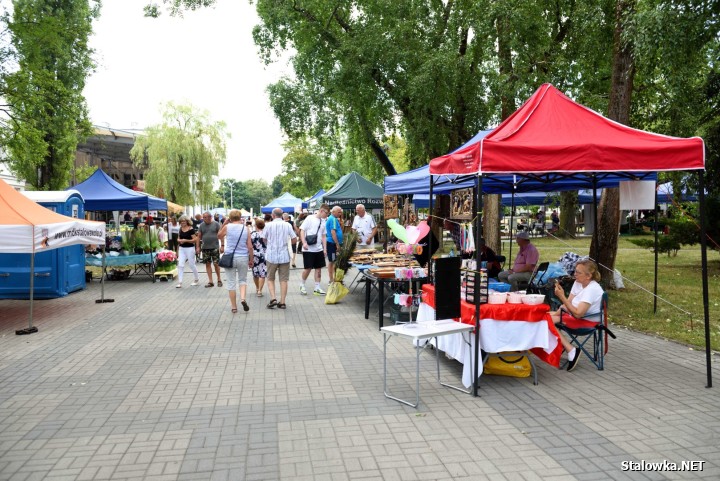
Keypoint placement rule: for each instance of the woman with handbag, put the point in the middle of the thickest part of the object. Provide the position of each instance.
(238, 239)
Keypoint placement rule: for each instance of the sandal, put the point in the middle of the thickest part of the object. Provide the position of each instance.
(281, 305)
(209, 284)
(219, 283)
(259, 294)
(272, 303)
(234, 311)
(245, 306)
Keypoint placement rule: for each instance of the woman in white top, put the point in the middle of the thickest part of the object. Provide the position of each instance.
(173, 231)
(239, 244)
(585, 300)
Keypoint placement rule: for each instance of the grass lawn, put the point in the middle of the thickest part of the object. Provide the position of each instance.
(681, 318)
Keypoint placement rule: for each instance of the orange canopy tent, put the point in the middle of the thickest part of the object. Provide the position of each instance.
(28, 227)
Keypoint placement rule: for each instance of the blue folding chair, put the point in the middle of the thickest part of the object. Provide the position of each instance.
(581, 331)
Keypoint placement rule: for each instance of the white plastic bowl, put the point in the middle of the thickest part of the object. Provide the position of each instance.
(515, 297)
(533, 299)
(497, 297)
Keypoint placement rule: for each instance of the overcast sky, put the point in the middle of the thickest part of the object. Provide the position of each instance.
(207, 58)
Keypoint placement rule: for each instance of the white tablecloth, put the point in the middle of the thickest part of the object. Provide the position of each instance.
(495, 336)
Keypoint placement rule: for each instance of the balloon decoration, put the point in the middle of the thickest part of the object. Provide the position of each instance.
(416, 233)
(409, 236)
(398, 230)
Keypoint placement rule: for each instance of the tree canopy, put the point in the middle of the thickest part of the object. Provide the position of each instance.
(47, 113)
(249, 194)
(183, 155)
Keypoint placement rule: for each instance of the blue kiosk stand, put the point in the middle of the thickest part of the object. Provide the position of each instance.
(57, 272)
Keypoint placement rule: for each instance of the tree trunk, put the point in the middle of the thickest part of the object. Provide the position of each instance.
(568, 206)
(382, 157)
(605, 239)
(491, 221)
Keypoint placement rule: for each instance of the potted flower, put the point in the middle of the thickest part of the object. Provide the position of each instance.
(166, 261)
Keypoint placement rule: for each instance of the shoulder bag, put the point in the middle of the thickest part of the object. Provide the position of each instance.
(313, 238)
(226, 260)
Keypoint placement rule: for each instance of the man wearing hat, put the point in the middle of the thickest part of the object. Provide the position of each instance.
(525, 262)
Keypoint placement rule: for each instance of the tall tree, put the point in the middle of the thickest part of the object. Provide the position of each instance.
(303, 172)
(183, 155)
(690, 35)
(47, 111)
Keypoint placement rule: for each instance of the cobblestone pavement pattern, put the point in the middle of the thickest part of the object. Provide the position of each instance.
(167, 384)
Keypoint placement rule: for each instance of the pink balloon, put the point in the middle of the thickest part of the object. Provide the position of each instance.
(423, 229)
(416, 233)
(413, 234)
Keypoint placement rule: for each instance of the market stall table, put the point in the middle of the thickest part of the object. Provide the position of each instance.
(418, 332)
(380, 282)
(142, 263)
(503, 328)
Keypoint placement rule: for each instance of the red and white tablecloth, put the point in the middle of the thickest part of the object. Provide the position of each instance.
(503, 328)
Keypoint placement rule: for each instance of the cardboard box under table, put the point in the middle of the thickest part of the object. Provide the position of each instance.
(503, 328)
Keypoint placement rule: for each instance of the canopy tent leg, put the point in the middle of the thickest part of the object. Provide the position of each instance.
(703, 254)
(657, 241)
(30, 329)
(102, 282)
(476, 287)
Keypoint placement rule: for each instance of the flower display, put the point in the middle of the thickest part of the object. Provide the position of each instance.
(166, 261)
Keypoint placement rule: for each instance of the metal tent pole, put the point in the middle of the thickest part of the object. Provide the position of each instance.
(476, 286)
(595, 217)
(657, 241)
(703, 253)
(30, 329)
(102, 281)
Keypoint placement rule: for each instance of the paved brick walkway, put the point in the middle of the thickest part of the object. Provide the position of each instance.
(166, 384)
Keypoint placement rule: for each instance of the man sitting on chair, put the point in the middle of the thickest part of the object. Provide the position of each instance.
(525, 262)
(585, 300)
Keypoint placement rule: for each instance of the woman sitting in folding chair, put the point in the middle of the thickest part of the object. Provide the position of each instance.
(585, 300)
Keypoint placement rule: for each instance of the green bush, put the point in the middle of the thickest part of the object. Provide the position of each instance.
(680, 231)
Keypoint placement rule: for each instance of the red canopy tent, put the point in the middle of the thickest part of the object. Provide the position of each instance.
(552, 137)
(551, 133)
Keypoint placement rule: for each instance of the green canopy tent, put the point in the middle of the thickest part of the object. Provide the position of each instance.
(353, 189)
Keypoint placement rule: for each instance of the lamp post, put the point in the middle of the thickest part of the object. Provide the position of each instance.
(231, 195)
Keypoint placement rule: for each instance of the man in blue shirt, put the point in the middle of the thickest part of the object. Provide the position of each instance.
(334, 233)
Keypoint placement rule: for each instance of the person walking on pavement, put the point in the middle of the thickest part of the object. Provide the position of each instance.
(334, 235)
(210, 247)
(189, 247)
(173, 229)
(237, 238)
(314, 247)
(277, 256)
(259, 266)
(293, 247)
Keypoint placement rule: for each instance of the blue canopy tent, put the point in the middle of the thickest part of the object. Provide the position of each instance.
(422, 201)
(417, 182)
(314, 201)
(102, 193)
(666, 196)
(287, 202)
